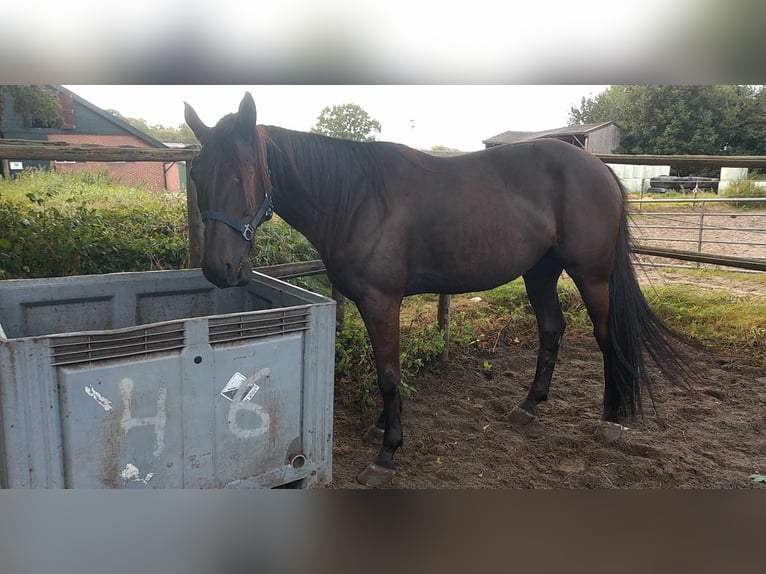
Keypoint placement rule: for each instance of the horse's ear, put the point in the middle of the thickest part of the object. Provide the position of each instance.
(246, 117)
(192, 120)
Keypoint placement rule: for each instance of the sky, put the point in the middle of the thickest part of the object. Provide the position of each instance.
(421, 116)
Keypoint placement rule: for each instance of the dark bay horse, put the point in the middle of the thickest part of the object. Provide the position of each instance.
(389, 221)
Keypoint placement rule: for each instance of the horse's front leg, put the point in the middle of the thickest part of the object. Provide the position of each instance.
(381, 317)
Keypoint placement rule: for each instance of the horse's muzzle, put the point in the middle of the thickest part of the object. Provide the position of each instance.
(228, 274)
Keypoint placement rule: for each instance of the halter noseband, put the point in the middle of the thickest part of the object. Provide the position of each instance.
(247, 230)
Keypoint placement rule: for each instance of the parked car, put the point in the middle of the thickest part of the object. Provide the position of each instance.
(688, 184)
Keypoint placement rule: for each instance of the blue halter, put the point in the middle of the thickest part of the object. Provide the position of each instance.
(247, 230)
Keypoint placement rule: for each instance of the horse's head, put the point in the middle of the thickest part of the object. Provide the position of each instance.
(233, 191)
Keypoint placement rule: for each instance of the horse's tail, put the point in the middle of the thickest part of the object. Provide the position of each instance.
(634, 329)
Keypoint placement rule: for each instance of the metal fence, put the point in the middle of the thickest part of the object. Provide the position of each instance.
(717, 230)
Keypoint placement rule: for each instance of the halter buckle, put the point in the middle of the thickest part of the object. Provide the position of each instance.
(248, 232)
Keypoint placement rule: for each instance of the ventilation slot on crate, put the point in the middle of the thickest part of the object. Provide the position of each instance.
(88, 348)
(232, 329)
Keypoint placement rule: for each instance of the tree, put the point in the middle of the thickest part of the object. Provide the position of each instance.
(443, 149)
(180, 134)
(748, 125)
(36, 104)
(347, 121)
(681, 119)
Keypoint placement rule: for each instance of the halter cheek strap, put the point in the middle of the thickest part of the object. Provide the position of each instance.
(247, 230)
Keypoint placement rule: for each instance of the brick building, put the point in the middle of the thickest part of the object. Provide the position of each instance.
(85, 123)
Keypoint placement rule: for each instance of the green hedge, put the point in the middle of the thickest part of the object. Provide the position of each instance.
(53, 225)
(84, 240)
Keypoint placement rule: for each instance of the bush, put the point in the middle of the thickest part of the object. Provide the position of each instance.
(746, 188)
(276, 242)
(53, 225)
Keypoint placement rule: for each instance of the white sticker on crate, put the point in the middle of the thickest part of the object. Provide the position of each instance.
(242, 387)
(105, 403)
(131, 474)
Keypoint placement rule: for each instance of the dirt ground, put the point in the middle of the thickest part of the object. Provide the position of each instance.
(457, 433)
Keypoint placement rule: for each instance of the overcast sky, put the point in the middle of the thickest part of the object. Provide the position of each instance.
(419, 116)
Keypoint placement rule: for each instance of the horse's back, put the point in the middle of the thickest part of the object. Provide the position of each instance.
(587, 201)
(484, 218)
(571, 184)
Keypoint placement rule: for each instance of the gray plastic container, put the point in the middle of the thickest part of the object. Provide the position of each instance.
(161, 380)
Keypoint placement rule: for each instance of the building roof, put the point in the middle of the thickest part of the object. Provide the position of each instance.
(110, 118)
(515, 137)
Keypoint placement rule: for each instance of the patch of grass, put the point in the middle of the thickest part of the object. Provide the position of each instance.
(671, 194)
(421, 342)
(735, 277)
(689, 204)
(717, 319)
(745, 189)
(714, 318)
(511, 301)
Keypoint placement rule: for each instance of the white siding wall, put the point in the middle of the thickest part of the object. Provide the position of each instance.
(731, 175)
(636, 178)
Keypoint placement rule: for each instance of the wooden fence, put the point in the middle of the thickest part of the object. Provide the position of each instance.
(25, 150)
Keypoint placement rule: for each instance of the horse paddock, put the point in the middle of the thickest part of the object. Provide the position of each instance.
(458, 433)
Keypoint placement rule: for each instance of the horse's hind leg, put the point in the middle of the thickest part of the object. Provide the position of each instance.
(595, 295)
(541, 282)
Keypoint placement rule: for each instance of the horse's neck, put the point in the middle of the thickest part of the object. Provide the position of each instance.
(297, 204)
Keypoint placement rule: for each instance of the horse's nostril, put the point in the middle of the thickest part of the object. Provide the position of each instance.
(244, 271)
(231, 274)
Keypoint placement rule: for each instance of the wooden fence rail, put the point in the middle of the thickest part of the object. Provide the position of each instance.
(59, 151)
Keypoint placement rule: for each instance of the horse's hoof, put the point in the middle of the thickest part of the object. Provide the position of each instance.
(609, 432)
(373, 435)
(375, 476)
(521, 417)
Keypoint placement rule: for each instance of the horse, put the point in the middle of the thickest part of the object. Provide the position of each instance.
(389, 221)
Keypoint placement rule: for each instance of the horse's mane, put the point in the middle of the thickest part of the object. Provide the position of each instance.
(335, 175)
(344, 172)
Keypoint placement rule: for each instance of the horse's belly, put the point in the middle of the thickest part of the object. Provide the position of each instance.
(495, 248)
(468, 274)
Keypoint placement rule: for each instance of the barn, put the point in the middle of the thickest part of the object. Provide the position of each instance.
(85, 123)
(602, 137)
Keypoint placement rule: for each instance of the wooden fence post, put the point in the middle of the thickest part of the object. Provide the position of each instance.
(444, 323)
(196, 229)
